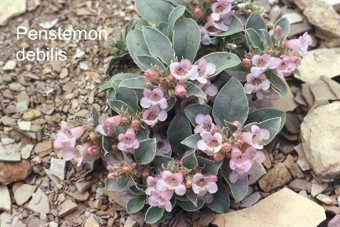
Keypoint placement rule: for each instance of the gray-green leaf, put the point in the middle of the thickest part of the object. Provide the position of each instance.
(231, 104)
(154, 11)
(179, 129)
(135, 204)
(186, 39)
(146, 151)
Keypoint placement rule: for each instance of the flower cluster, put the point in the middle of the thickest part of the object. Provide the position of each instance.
(218, 20)
(284, 64)
(161, 189)
(66, 142)
(184, 70)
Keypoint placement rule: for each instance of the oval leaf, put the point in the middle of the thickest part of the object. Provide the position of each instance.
(137, 46)
(159, 45)
(231, 103)
(151, 62)
(284, 23)
(189, 160)
(179, 129)
(137, 83)
(186, 39)
(173, 17)
(194, 90)
(116, 185)
(153, 215)
(146, 151)
(191, 141)
(209, 166)
(154, 11)
(277, 82)
(221, 201)
(263, 114)
(189, 206)
(135, 205)
(256, 22)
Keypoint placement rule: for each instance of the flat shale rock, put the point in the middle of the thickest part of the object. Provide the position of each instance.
(5, 199)
(66, 208)
(320, 62)
(316, 11)
(284, 208)
(14, 171)
(39, 202)
(22, 192)
(11, 8)
(320, 133)
(276, 177)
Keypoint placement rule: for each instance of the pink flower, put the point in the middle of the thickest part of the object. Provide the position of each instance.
(287, 65)
(163, 146)
(264, 62)
(201, 185)
(301, 43)
(256, 136)
(255, 155)
(107, 125)
(220, 8)
(158, 198)
(240, 162)
(87, 154)
(153, 115)
(180, 90)
(183, 70)
(222, 23)
(205, 69)
(210, 144)
(67, 137)
(204, 124)
(208, 88)
(256, 84)
(153, 98)
(128, 141)
(171, 181)
(161, 199)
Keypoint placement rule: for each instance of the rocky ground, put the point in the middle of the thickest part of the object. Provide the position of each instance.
(39, 189)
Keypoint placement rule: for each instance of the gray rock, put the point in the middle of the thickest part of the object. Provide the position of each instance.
(320, 133)
(39, 202)
(5, 199)
(251, 200)
(10, 153)
(22, 192)
(57, 168)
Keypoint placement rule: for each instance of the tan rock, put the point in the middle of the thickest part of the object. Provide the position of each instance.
(11, 8)
(79, 196)
(284, 208)
(5, 199)
(91, 222)
(39, 202)
(66, 208)
(293, 167)
(22, 192)
(316, 11)
(43, 149)
(14, 171)
(320, 133)
(31, 115)
(276, 177)
(320, 62)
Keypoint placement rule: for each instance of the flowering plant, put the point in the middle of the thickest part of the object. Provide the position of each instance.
(188, 132)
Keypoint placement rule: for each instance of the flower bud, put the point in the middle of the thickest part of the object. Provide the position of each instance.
(114, 147)
(233, 46)
(93, 150)
(198, 13)
(145, 173)
(151, 74)
(148, 84)
(188, 183)
(180, 90)
(240, 142)
(172, 78)
(278, 32)
(226, 148)
(126, 169)
(246, 62)
(109, 167)
(111, 176)
(214, 178)
(237, 124)
(135, 124)
(139, 173)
